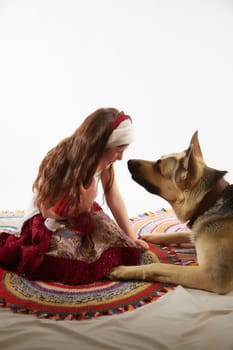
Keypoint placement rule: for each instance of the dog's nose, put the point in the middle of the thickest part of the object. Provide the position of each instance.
(132, 164)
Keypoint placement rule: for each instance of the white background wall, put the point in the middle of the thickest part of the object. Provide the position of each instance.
(167, 63)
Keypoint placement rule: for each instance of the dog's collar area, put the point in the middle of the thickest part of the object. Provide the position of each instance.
(209, 200)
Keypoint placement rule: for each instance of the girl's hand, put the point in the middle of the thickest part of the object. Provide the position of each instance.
(141, 243)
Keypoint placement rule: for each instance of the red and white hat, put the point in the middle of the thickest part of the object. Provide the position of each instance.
(122, 133)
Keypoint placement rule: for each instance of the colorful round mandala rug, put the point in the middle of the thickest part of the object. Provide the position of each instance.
(64, 302)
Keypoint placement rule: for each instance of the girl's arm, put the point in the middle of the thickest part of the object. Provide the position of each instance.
(119, 211)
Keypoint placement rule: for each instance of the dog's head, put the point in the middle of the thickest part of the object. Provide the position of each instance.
(174, 177)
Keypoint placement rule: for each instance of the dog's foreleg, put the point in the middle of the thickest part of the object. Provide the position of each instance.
(168, 238)
(142, 272)
(187, 276)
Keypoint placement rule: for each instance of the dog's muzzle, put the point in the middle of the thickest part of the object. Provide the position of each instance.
(135, 168)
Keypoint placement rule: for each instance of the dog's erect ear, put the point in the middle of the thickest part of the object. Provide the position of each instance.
(188, 164)
(196, 145)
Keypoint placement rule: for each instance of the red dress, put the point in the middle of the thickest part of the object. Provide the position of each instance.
(70, 256)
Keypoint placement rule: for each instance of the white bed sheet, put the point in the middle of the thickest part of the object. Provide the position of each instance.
(183, 319)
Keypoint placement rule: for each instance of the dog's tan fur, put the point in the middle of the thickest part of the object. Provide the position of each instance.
(200, 196)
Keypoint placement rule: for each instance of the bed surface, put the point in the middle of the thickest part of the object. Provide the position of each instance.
(180, 319)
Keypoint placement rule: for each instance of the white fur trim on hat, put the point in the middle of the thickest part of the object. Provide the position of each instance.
(122, 135)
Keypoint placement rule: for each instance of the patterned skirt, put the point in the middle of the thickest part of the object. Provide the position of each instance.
(67, 256)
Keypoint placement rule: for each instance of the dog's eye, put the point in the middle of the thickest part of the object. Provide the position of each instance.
(157, 166)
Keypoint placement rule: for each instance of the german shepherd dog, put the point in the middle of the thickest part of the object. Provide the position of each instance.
(200, 197)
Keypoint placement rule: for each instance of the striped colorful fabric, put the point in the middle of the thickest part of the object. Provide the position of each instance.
(165, 220)
(10, 220)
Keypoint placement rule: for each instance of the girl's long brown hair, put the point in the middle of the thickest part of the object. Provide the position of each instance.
(74, 160)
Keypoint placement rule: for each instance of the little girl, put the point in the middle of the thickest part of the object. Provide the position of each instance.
(67, 237)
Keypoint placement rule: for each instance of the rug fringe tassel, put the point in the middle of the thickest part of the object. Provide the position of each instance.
(84, 315)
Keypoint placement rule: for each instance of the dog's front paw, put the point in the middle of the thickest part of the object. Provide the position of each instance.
(115, 273)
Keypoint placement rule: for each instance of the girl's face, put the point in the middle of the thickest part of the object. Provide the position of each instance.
(111, 155)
